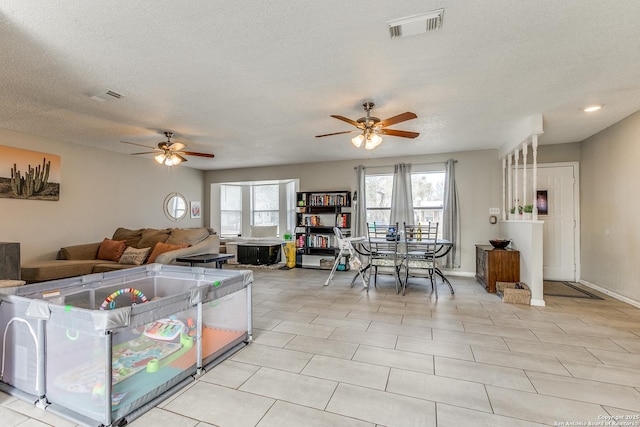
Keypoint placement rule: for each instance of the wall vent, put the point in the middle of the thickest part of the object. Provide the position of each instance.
(416, 24)
(104, 95)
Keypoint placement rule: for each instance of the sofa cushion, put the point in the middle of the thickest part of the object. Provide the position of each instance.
(58, 269)
(131, 237)
(111, 250)
(134, 256)
(161, 248)
(151, 236)
(190, 236)
(84, 251)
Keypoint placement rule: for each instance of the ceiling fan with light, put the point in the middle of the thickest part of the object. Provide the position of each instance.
(371, 128)
(169, 153)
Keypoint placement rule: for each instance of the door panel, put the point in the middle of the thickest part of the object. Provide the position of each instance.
(559, 254)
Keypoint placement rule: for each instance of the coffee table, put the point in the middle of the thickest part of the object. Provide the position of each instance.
(206, 259)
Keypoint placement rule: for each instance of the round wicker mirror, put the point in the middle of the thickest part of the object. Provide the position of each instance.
(175, 206)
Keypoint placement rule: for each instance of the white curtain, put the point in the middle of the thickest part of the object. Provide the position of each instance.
(401, 196)
(451, 216)
(359, 204)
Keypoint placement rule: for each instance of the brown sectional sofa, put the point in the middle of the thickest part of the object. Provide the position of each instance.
(78, 260)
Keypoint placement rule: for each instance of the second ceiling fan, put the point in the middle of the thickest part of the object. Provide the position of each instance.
(371, 128)
(170, 153)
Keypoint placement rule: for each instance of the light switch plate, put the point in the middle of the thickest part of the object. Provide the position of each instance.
(494, 211)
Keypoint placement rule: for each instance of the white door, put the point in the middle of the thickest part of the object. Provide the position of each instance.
(561, 221)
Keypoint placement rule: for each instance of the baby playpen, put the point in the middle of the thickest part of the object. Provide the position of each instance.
(102, 349)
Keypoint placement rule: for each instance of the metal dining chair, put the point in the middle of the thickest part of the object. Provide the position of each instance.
(383, 244)
(420, 245)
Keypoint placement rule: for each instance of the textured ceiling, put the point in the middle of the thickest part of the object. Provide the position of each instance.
(254, 81)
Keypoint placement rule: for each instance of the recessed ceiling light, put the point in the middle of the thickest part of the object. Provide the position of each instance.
(592, 108)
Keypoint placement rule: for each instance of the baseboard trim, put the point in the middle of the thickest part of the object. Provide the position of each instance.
(610, 293)
(459, 273)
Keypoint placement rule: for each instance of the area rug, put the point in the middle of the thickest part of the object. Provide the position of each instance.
(554, 288)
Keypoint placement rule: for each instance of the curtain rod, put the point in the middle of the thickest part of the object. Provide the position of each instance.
(412, 164)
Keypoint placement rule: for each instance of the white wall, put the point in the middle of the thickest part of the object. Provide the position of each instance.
(99, 191)
(102, 190)
(526, 237)
(610, 208)
(478, 176)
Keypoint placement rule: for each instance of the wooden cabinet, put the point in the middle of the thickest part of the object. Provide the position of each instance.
(496, 265)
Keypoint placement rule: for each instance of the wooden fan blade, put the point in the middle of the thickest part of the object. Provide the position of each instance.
(193, 153)
(139, 145)
(145, 152)
(182, 159)
(400, 133)
(336, 133)
(351, 122)
(397, 119)
(176, 146)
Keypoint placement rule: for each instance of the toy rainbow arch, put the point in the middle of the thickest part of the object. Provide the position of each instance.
(110, 303)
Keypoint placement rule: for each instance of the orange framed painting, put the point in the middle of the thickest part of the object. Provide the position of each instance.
(29, 175)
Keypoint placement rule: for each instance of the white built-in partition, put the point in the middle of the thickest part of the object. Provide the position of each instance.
(525, 231)
(526, 237)
(514, 194)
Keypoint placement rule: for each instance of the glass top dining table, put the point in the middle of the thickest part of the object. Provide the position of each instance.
(443, 247)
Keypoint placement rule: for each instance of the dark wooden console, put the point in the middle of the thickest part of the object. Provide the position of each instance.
(496, 265)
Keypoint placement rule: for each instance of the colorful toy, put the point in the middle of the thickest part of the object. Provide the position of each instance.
(164, 329)
(72, 335)
(110, 303)
(190, 329)
(97, 391)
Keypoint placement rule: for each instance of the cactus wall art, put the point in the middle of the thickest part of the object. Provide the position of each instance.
(28, 174)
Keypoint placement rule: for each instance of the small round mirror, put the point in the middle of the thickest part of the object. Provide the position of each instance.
(175, 206)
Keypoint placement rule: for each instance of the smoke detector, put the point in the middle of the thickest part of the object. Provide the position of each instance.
(104, 95)
(416, 24)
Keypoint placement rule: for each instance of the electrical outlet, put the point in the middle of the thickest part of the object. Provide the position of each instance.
(494, 211)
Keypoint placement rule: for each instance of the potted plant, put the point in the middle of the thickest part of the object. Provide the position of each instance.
(528, 212)
(512, 213)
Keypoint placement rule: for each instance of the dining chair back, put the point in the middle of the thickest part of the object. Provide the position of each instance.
(420, 245)
(383, 244)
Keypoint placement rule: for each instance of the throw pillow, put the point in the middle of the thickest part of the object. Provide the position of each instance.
(111, 250)
(134, 256)
(151, 236)
(161, 248)
(190, 236)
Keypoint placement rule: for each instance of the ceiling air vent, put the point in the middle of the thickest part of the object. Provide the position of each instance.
(416, 24)
(104, 95)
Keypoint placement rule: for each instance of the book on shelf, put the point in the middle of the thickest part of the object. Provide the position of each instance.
(327, 200)
(318, 241)
(311, 221)
(341, 220)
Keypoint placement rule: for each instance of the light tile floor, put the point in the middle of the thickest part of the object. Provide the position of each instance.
(339, 356)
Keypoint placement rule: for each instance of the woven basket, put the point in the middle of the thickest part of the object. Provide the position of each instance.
(326, 263)
(509, 293)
